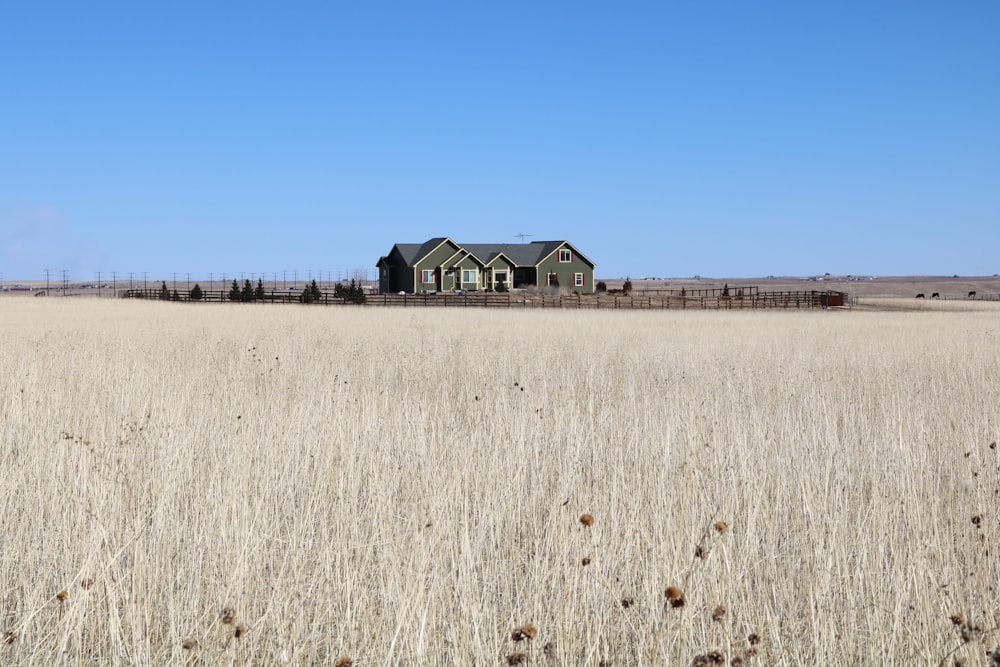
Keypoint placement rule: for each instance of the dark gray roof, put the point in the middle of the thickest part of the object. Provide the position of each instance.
(522, 254)
(413, 252)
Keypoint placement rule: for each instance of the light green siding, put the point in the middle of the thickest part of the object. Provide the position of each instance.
(433, 262)
(566, 271)
(440, 264)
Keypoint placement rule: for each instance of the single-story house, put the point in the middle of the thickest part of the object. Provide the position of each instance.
(442, 264)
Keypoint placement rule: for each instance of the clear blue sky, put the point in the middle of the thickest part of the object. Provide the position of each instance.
(661, 138)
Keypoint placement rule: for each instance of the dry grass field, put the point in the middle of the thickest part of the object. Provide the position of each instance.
(213, 485)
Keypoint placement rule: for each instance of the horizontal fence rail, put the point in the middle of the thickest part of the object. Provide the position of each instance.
(598, 301)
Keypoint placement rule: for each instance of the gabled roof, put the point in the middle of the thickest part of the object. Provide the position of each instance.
(520, 254)
(551, 246)
(414, 252)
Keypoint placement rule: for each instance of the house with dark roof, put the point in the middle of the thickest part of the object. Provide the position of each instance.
(441, 264)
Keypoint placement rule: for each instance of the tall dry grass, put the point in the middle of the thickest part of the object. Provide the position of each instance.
(200, 484)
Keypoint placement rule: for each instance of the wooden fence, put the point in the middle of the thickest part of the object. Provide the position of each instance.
(599, 301)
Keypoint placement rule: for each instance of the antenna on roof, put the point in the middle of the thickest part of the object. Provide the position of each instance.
(521, 236)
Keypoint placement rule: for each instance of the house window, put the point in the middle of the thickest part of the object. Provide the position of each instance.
(552, 279)
(578, 280)
(565, 255)
(469, 277)
(427, 276)
(500, 276)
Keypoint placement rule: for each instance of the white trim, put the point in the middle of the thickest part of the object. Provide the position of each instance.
(569, 255)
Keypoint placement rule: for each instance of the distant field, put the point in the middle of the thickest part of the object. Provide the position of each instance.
(881, 286)
(295, 485)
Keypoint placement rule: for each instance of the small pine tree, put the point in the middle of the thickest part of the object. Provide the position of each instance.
(234, 291)
(725, 289)
(627, 285)
(601, 286)
(246, 294)
(353, 292)
(501, 286)
(312, 293)
(196, 293)
(258, 293)
(164, 292)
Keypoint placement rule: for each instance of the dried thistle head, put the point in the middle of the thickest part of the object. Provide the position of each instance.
(977, 520)
(86, 584)
(9, 637)
(189, 644)
(526, 631)
(701, 552)
(627, 602)
(585, 562)
(754, 639)
(516, 658)
(241, 630)
(61, 595)
(228, 615)
(587, 520)
(721, 526)
(719, 613)
(710, 658)
(957, 619)
(971, 632)
(344, 661)
(675, 597)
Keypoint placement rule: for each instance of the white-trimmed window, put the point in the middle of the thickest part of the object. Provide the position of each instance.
(427, 276)
(469, 277)
(565, 255)
(578, 280)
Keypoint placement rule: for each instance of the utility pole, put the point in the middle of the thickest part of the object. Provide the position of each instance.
(189, 284)
(47, 272)
(114, 283)
(130, 280)
(144, 287)
(98, 284)
(284, 280)
(65, 281)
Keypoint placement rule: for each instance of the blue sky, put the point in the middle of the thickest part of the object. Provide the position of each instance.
(661, 138)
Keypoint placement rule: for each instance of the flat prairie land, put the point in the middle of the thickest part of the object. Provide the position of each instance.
(207, 484)
(947, 287)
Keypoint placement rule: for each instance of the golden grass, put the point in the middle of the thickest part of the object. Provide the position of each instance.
(208, 484)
